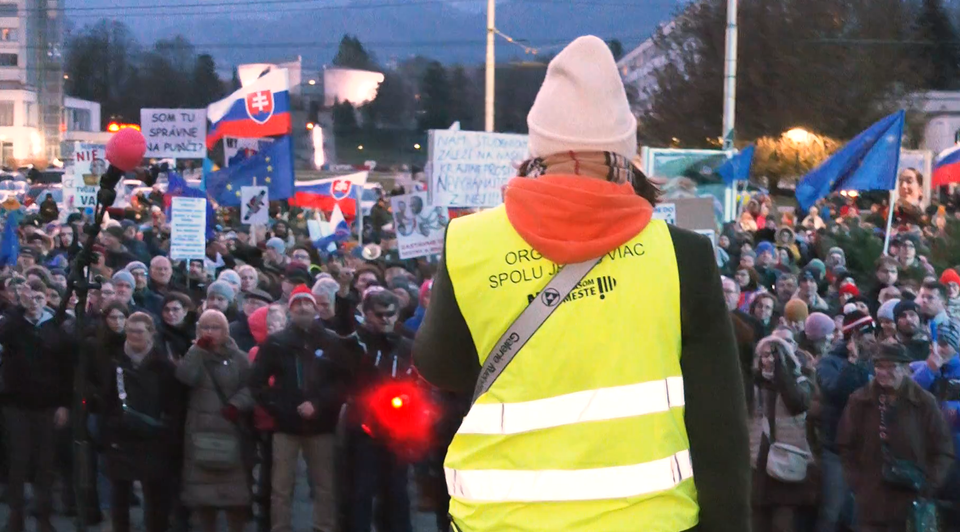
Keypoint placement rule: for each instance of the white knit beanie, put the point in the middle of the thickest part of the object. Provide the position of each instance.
(582, 105)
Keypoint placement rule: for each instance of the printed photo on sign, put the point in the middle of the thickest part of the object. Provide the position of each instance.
(913, 177)
(176, 133)
(420, 226)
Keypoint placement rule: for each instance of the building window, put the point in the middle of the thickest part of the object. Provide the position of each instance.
(8, 60)
(79, 120)
(6, 113)
(9, 10)
(30, 114)
(9, 34)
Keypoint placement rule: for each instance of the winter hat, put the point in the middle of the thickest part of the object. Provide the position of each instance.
(114, 231)
(838, 251)
(855, 322)
(277, 245)
(818, 265)
(295, 273)
(765, 247)
(302, 292)
(222, 289)
(229, 276)
(893, 352)
(950, 276)
(949, 333)
(123, 276)
(903, 306)
(748, 253)
(850, 289)
(136, 265)
(258, 294)
(810, 273)
(885, 312)
(582, 105)
(818, 326)
(425, 289)
(796, 310)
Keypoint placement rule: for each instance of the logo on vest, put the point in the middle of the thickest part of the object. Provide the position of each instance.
(599, 286)
(550, 297)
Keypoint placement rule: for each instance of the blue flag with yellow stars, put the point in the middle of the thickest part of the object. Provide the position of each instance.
(272, 167)
(868, 162)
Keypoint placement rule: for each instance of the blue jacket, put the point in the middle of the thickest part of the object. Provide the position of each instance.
(926, 378)
(414, 322)
(838, 379)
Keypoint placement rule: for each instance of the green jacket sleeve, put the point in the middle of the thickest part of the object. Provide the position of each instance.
(716, 414)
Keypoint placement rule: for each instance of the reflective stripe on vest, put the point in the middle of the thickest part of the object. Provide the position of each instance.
(579, 485)
(584, 431)
(580, 407)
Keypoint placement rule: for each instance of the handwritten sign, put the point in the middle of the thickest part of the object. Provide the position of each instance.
(666, 212)
(420, 226)
(177, 133)
(188, 227)
(469, 169)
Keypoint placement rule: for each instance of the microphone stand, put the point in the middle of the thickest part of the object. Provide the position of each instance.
(80, 283)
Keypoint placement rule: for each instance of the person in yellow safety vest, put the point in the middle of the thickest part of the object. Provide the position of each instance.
(624, 409)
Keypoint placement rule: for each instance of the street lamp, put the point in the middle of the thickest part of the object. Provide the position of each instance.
(799, 135)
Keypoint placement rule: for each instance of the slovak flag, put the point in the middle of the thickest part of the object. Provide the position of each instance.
(946, 169)
(340, 231)
(261, 109)
(344, 191)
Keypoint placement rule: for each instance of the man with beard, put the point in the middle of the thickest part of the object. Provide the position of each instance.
(786, 288)
(910, 333)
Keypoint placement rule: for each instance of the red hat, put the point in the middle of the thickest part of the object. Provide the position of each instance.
(850, 289)
(301, 292)
(950, 276)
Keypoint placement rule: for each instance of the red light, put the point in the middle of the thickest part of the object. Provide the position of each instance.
(113, 127)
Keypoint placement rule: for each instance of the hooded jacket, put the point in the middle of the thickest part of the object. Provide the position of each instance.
(570, 218)
(38, 359)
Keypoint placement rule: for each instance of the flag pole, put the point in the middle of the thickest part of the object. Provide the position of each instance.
(886, 237)
(253, 227)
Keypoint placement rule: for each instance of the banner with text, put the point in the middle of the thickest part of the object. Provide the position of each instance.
(176, 133)
(470, 168)
(81, 178)
(420, 226)
(188, 226)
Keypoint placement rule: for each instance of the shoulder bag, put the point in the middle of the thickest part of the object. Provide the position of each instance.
(131, 419)
(785, 462)
(216, 450)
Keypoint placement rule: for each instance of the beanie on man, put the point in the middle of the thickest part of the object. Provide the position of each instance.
(301, 292)
(221, 288)
(277, 245)
(885, 312)
(850, 289)
(855, 322)
(135, 266)
(948, 333)
(582, 105)
(796, 311)
(819, 266)
(123, 276)
(766, 247)
(838, 251)
(818, 326)
(904, 305)
(950, 276)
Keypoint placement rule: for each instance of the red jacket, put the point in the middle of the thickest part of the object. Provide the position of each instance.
(262, 421)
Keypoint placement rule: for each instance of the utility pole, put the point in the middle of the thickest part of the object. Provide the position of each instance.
(730, 99)
(491, 65)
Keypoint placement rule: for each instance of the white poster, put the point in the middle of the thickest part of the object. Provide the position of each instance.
(470, 169)
(420, 226)
(188, 227)
(81, 178)
(254, 204)
(176, 133)
(666, 212)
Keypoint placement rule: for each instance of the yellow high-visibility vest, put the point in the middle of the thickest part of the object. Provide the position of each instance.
(584, 430)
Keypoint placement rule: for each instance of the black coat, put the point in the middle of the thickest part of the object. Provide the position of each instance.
(37, 369)
(176, 341)
(136, 450)
(312, 365)
(240, 332)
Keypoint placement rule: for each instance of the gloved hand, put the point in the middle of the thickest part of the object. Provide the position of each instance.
(230, 413)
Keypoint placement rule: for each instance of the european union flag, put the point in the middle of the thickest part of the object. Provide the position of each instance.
(10, 242)
(868, 162)
(272, 167)
(737, 168)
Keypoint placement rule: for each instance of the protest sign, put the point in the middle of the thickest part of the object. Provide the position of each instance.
(254, 204)
(470, 169)
(420, 226)
(188, 227)
(237, 149)
(177, 133)
(81, 178)
(666, 212)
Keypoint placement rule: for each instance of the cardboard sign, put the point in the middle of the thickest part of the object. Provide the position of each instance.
(470, 169)
(420, 226)
(188, 227)
(666, 212)
(176, 133)
(254, 205)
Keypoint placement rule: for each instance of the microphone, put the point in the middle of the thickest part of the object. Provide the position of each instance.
(125, 150)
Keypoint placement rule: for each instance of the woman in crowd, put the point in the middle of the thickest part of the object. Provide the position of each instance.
(138, 420)
(749, 283)
(778, 415)
(762, 311)
(178, 325)
(215, 471)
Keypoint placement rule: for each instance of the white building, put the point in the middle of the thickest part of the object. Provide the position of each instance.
(638, 69)
(941, 111)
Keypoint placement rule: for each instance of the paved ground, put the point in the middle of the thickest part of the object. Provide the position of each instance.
(422, 522)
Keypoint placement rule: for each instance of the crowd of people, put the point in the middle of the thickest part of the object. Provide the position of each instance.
(850, 364)
(207, 380)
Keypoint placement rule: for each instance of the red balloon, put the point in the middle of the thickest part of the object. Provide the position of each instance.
(125, 149)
